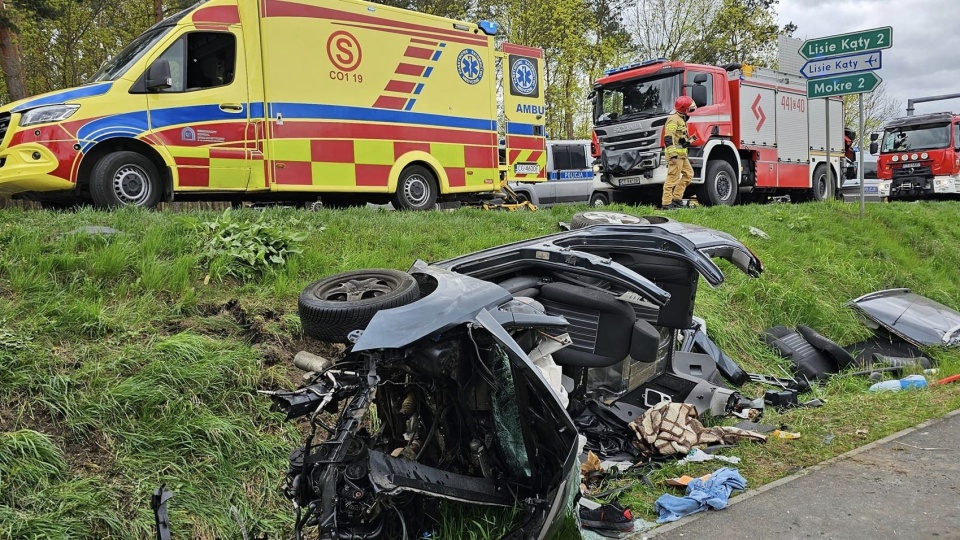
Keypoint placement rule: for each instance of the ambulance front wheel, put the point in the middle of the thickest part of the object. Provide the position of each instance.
(416, 190)
(125, 179)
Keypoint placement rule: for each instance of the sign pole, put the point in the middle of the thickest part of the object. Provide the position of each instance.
(860, 157)
(826, 101)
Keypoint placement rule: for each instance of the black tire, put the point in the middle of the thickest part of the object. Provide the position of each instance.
(720, 185)
(599, 199)
(824, 186)
(335, 306)
(595, 217)
(522, 197)
(416, 189)
(125, 179)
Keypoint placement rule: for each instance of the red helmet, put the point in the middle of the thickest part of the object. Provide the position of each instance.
(684, 105)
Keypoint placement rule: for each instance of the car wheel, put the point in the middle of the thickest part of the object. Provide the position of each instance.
(522, 197)
(720, 186)
(595, 217)
(823, 185)
(599, 200)
(416, 190)
(335, 306)
(125, 179)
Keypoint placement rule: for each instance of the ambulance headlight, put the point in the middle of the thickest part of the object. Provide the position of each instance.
(51, 113)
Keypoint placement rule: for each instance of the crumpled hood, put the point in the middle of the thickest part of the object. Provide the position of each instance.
(69, 95)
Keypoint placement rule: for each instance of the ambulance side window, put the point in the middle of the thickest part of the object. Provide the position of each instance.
(201, 60)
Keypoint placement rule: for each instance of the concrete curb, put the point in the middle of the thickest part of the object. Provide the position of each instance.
(787, 479)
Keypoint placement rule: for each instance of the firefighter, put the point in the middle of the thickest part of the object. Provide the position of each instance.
(676, 140)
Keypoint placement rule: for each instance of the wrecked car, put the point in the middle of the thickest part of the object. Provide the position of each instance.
(460, 377)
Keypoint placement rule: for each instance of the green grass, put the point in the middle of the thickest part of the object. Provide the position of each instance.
(120, 368)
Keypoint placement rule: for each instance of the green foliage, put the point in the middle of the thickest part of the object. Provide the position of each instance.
(245, 249)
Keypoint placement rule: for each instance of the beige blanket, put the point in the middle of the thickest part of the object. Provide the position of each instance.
(674, 428)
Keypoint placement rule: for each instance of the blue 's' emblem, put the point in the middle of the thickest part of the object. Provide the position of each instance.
(188, 134)
(470, 66)
(524, 76)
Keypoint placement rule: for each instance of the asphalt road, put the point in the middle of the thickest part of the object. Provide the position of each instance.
(904, 486)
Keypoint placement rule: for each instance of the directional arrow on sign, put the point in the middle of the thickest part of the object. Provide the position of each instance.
(842, 65)
(842, 85)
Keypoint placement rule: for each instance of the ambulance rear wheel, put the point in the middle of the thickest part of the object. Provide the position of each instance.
(416, 190)
(125, 179)
(720, 186)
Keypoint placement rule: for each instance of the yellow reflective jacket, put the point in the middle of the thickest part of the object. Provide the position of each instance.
(674, 132)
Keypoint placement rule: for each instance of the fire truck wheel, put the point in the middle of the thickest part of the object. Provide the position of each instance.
(594, 217)
(125, 179)
(416, 190)
(720, 187)
(823, 186)
(599, 199)
(335, 306)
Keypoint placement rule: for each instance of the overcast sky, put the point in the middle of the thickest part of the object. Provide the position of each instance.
(925, 58)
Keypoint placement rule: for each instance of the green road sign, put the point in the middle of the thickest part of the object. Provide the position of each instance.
(854, 42)
(843, 85)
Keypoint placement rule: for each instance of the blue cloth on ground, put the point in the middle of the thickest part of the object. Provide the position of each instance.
(713, 492)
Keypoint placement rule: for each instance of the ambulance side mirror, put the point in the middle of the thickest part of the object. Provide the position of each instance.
(158, 76)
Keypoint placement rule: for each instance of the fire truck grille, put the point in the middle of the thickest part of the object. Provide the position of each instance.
(4, 125)
(914, 172)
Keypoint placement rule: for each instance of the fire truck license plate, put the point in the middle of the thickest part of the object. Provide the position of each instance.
(526, 168)
(910, 165)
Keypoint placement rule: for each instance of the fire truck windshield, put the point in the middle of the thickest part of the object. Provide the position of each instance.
(637, 98)
(919, 137)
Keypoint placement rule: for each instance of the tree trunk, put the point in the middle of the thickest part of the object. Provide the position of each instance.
(157, 10)
(10, 59)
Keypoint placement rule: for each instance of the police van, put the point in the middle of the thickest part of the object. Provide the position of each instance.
(570, 175)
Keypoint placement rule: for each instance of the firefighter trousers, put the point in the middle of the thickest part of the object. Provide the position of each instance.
(679, 175)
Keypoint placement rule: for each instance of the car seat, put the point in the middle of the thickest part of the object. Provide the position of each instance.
(813, 356)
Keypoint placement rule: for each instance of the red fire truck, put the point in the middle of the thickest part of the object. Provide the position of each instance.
(919, 156)
(757, 134)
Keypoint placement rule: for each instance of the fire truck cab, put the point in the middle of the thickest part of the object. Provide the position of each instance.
(757, 134)
(919, 156)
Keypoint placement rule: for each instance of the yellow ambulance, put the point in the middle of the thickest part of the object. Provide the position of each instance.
(341, 100)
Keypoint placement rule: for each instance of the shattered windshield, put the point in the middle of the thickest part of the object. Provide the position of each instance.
(637, 99)
(920, 137)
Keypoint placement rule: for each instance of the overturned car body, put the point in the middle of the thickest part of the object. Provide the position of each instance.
(452, 394)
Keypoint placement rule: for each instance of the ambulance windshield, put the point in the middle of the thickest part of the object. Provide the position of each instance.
(115, 67)
(919, 137)
(636, 99)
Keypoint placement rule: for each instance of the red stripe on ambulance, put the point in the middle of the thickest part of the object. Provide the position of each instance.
(410, 69)
(336, 130)
(217, 14)
(332, 151)
(401, 148)
(417, 52)
(282, 8)
(373, 175)
(401, 87)
(388, 102)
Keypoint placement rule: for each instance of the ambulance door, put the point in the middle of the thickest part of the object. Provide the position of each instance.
(203, 117)
(523, 103)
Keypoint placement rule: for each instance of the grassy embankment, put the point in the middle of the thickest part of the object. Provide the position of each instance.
(121, 368)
